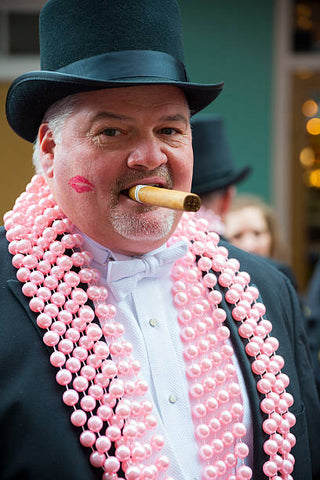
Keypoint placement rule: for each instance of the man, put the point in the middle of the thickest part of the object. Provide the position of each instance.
(120, 357)
(214, 174)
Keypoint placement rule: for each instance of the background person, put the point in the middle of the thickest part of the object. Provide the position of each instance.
(312, 301)
(215, 175)
(251, 224)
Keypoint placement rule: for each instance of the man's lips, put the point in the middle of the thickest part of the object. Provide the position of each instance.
(80, 184)
(141, 182)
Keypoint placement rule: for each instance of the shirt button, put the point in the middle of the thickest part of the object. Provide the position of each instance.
(172, 398)
(153, 322)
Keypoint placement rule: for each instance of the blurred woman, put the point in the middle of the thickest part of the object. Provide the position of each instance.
(251, 225)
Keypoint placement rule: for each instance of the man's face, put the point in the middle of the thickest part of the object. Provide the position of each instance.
(115, 139)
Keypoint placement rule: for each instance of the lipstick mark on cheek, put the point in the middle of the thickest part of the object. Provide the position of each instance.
(80, 184)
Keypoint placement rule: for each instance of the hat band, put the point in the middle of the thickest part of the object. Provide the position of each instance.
(128, 64)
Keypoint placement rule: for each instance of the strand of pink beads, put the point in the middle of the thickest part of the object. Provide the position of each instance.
(214, 266)
(101, 378)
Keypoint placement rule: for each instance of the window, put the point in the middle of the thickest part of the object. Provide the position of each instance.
(19, 38)
(22, 33)
(306, 31)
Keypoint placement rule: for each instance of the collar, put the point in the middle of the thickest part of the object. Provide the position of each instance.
(102, 255)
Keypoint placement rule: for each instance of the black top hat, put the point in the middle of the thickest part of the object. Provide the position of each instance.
(213, 168)
(93, 44)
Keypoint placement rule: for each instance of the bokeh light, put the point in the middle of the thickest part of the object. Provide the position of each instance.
(314, 178)
(310, 108)
(307, 157)
(313, 126)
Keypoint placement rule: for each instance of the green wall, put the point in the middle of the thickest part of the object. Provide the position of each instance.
(232, 41)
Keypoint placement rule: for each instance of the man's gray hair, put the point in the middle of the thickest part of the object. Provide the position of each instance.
(55, 116)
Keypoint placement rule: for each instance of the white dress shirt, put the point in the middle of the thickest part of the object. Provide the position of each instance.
(150, 321)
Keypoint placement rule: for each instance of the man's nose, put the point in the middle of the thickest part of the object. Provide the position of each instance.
(147, 154)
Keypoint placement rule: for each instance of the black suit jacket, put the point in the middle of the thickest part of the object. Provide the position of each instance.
(37, 439)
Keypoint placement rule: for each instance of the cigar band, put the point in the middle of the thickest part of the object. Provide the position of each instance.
(136, 192)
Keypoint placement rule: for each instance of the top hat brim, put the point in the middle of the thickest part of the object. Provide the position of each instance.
(210, 184)
(31, 94)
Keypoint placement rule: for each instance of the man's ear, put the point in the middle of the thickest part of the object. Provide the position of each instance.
(228, 197)
(46, 149)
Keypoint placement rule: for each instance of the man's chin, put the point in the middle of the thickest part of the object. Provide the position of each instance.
(150, 224)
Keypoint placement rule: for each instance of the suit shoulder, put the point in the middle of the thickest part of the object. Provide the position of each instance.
(247, 258)
(6, 267)
(259, 268)
(3, 243)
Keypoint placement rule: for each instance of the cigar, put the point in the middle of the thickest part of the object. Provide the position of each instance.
(162, 197)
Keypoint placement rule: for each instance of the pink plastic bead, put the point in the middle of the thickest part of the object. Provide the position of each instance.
(44, 320)
(70, 397)
(113, 432)
(78, 259)
(111, 465)
(59, 327)
(51, 338)
(133, 473)
(244, 473)
(80, 383)
(258, 367)
(29, 289)
(239, 430)
(104, 412)
(63, 376)
(87, 438)
(263, 386)
(270, 468)
(97, 459)
(241, 450)
(269, 426)
(81, 353)
(210, 472)
(267, 405)
(103, 444)
(86, 313)
(79, 296)
(78, 418)
(209, 280)
(95, 423)
(239, 313)
(65, 346)
(205, 264)
(88, 403)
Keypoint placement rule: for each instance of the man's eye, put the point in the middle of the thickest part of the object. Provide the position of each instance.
(168, 131)
(110, 132)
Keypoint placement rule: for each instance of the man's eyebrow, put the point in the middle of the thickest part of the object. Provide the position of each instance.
(175, 118)
(117, 116)
(105, 114)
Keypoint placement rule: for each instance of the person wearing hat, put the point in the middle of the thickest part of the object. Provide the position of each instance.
(133, 344)
(215, 175)
(215, 178)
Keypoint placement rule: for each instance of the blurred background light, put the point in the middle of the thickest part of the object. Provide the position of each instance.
(307, 157)
(313, 126)
(310, 108)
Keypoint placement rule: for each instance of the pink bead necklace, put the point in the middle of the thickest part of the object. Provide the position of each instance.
(95, 364)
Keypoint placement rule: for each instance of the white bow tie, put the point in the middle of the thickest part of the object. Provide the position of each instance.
(123, 276)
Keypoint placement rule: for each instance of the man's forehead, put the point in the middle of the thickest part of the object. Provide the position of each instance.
(110, 115)
(160, 96)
